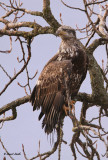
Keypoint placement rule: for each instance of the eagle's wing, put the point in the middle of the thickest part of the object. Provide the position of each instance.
(49, 93)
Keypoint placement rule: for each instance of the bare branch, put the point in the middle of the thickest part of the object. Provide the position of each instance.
(24, 152)
(96, 43)
(83, 146)
(83, 127)
(22, 69)
(48, 16)
(2, 121)
(34, 75)
(90, 21)
(36, 31)
(5, 72)
(99, 2)
(11, 25)
(92, 35)
(79, 151)
(27, 73)
(14, 104)
(96, 118)
(34, 13)
(47, 154)
(72, 7)
(6, 149)
(9, 13)
(14, 115)
(8, 51)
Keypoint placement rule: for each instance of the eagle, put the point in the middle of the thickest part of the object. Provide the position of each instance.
(60, 80)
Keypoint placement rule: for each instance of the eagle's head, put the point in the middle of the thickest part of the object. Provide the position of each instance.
(66, 32)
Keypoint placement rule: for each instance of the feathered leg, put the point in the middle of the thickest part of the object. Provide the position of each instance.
(70, 102)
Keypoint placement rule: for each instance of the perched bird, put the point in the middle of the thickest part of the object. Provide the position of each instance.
(60, 80)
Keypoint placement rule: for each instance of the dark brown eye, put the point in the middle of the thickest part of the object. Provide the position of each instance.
(68, 30)
(74, 33)
(64, 29)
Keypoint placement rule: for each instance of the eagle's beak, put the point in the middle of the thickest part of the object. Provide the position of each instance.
(60, 33)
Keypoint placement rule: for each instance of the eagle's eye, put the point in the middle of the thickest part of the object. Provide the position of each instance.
(66, 30)
(69, 31)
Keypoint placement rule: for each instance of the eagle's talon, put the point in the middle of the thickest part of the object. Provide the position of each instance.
(66, 110)
(72, 103)
(69, 110)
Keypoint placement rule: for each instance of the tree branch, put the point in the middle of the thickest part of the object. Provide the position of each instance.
(90, 21)
(72, 7)
(96, 43)
(92, 3)
(14, 104)
(34, 13)
(14, 115)
(12, 25)
(97, 82)
(36, 31)
(48, 16)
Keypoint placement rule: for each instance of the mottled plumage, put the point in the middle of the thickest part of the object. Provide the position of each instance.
(65, 71)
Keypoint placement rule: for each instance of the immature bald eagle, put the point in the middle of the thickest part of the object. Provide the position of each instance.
(64, 73)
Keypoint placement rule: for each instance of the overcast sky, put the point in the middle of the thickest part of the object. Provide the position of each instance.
(26, 129)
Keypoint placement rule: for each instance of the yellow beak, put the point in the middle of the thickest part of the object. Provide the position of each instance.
(60, 33)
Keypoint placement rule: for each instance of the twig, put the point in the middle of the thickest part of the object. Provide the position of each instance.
(33, 76)
(12, 79)
(61, 19)
(47, 154)
(5, 72)
(35, 13)
(95, 118)
(92, 3)
(79, 151)
(92, 35)
(6, 149)
(72, 7)
(8, 51)
(24, 152)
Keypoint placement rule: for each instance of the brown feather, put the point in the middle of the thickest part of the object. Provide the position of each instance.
(40, 115)
(50, 102)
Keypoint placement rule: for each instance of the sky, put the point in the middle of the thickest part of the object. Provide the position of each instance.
(26, 129)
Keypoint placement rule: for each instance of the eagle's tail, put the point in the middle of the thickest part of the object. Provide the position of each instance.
(53, 117)
(51, 102)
